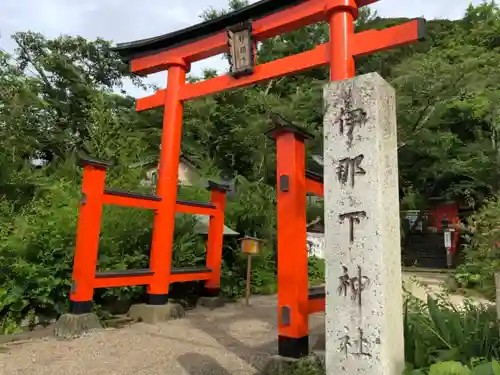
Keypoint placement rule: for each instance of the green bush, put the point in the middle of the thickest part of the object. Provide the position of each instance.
(37, 252)
(308, 366)
(483, 250)
(457, 368)
(316, 271)
(438, 331)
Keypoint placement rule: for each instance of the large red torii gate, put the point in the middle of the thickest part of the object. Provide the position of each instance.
(175, 52)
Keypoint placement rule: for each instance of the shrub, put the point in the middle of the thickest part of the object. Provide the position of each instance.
(457, 368)
(483, 251)
(438, 331)
(309, 366)
(37, 250)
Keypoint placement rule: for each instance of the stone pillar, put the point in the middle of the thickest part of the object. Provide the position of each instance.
(364, 317)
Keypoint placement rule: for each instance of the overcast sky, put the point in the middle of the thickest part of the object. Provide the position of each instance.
(127, 20)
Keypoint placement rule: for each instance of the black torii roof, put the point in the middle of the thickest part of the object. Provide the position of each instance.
(138, 48)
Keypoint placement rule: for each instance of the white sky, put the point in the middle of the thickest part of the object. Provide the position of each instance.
(124, 21)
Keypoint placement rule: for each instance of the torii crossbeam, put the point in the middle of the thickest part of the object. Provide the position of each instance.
(176, 51)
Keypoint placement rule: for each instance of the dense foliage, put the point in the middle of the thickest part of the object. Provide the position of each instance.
(437, 331)
(482, 250)
(62, 96)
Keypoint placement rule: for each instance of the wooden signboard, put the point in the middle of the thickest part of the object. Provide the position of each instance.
(241, 49)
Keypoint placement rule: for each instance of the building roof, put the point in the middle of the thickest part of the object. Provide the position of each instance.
(138, 48)
(201, 226)
(154, 161)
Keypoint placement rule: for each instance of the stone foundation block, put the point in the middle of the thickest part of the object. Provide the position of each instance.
(211, 302)
(153, 314)
(71, 325)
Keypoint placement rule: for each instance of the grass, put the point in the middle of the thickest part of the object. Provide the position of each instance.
(307, 366)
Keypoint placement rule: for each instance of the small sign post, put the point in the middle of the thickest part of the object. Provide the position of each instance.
(250, 246)
(241, 50)
(447, 240)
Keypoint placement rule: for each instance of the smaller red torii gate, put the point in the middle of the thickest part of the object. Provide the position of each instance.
(175, 52)
(160, 272)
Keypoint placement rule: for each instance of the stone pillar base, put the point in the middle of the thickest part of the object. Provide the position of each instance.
(73, 325)
(211, 302)
(153, 314)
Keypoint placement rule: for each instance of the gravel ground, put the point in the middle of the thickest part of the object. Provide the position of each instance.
(235, 340)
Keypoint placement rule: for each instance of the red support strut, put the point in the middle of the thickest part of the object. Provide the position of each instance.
(215, 239)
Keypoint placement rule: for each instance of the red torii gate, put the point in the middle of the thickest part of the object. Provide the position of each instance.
(175, 52)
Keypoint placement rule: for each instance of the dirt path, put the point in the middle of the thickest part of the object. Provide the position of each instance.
(234, 340)
(422, 283)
